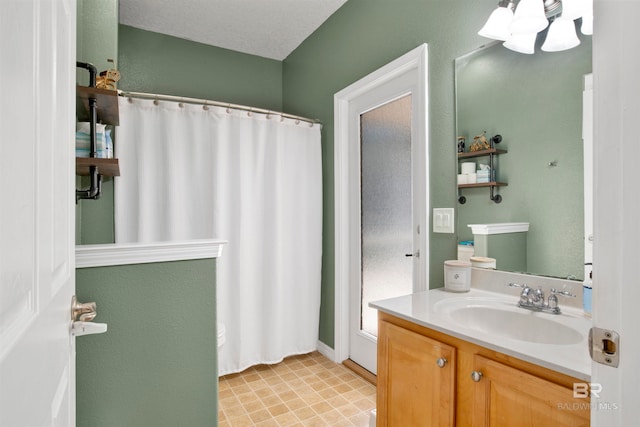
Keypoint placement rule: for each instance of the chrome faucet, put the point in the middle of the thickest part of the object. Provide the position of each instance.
(534, 299)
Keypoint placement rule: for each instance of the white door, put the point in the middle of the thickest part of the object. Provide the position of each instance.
(37, 274)
(616, 286)
(385, 184)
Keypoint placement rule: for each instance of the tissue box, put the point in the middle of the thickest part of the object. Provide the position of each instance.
(465, 251)
(483, 176)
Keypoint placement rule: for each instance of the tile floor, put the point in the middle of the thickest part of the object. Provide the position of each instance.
(305, 390)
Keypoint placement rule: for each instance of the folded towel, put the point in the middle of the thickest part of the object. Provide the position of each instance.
(104, 143)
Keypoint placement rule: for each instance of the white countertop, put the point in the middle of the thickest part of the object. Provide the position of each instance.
(429, 309)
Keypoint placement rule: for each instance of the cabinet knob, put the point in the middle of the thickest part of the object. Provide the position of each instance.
(476, 376)
(441, 362)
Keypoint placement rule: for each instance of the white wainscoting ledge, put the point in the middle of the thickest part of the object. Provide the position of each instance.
(499, 228)
(141, 253)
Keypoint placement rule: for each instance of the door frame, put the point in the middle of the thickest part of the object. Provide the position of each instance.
(345, 206)
(616, 206)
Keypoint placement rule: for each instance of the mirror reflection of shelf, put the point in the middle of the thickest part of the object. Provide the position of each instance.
(469, 154)
(483, 184)
(491, 152)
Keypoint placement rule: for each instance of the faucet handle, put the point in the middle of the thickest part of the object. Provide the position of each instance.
(563, 293)
(552, 301)
(517, 285)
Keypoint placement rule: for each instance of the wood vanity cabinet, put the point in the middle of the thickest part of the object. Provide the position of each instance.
(417, 384)
(425, 379)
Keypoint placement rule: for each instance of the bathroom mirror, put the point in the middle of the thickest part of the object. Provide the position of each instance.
(535, 103)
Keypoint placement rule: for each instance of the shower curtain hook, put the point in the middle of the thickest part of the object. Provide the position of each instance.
(250, 112)
(205, 107)
(228, 108)
(281, 117)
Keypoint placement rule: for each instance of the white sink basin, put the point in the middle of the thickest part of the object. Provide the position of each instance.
(502, 318)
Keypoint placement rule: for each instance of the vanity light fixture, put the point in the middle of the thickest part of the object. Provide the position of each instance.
(518, 22)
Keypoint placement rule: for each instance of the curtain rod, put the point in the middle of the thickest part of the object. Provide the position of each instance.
(206, 102)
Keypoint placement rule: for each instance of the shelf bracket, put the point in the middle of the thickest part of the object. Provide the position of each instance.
(495, 197)
(95, 189)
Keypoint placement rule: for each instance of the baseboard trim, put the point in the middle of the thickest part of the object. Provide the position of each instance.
(326, 351)
(360, 371)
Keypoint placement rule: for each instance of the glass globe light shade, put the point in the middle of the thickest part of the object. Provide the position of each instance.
(497, 26)
(522, 43)
(561, 36)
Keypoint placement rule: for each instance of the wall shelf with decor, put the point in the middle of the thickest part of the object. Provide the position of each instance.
(95, 105)
(493, 185)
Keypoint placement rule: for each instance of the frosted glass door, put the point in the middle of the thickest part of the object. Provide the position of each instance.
(381, 198)
(386, 207)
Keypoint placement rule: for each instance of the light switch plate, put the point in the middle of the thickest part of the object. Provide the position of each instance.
(443, 220)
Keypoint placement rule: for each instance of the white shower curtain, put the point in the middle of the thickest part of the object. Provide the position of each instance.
(190, 173)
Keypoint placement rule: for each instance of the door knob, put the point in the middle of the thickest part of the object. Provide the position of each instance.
(84, 312)
(81, 316)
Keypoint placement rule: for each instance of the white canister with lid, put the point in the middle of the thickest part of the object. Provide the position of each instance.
(483, 262)
(457, 276)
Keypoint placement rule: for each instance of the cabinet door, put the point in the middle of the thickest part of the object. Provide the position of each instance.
(506, 396)
(413, 389)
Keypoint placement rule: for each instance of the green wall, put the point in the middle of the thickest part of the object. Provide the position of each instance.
(157, 363)
(359, 38)
(97, 35)
(156, 63)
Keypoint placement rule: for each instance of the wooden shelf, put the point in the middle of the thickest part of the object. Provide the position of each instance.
(484, 184)
(106, 167)
(470, 154)
(107, 105)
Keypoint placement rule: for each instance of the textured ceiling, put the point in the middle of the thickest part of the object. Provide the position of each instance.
(267, 28)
